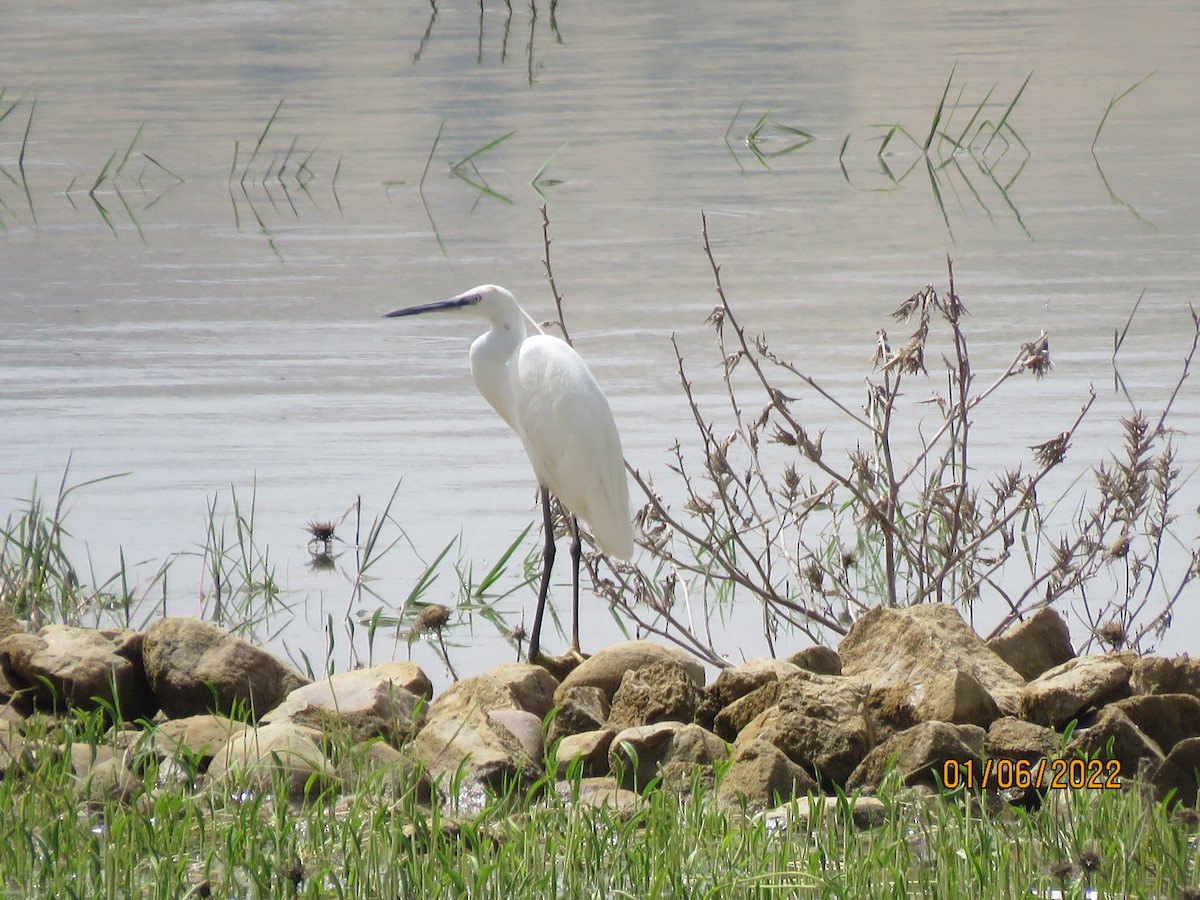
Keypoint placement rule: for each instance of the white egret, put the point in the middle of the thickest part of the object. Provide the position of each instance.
(545, 392)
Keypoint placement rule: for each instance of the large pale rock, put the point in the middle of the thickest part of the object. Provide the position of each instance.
(371, 702)
(1176, 777)
(254, 758)
(1062, 693)
(670, 750)
(198, 737)
(606, 669)
(920, 646)
(807, 812)
(818, 660)
(580, 710)
(79, 668)
(525, 727)
(820, 722)
(741, 712)
(195, 667)
(660, 692)
(736, 682)
(1041, 642)
(1166, 675)
(479, 749)
(588, 749)
(762, 776)
(1114, 736)
(920, 756)
(508, 686)
(1016, 739)
(1166, 719)
(601, 792)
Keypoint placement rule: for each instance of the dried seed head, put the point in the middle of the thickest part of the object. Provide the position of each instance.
(1120, 547)
(1053, 451)
(433, 617)
(1113, 635)
(1061, 869)
(1089, 859)
(716, 318)
(321, 531)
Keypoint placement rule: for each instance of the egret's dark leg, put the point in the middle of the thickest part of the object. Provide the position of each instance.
(535, 636)
(576, 553)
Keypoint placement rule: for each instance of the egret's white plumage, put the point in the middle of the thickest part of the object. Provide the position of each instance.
(545, 392)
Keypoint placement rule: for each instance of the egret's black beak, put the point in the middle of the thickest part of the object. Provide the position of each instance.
(453, 303)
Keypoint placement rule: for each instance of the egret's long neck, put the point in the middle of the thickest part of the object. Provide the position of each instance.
(492, 356)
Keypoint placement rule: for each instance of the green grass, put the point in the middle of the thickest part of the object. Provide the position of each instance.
(375, 838)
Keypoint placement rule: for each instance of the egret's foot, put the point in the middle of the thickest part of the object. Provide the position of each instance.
(559, 666)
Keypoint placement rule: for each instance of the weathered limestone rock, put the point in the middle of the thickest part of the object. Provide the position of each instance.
(525, 727)
(598, 792)
(483, 750)
(660, 692)
(508, 686)
(957, 697)
(12, 749)
(371, 702)
(79, 668)
(580, 709)
(1114, 736)
(1016, 739)
(108, 780)
(1041, 642)
(921, 755)
(1062, 693)
(401, 774)
(916, 646)
(672, 750)
(818, 660)
(820, 722)
(252, 759)
(194, 667)
(1166, 675)
(741, 712)
(589, 747)
(606, 669)
(198, 737)
(736, 682)
(1178, 773)
(762, 776)
(1166, 719)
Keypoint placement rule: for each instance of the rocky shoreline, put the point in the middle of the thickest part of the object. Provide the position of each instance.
(914, 690)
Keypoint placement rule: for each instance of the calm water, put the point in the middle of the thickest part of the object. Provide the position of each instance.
(207, 333)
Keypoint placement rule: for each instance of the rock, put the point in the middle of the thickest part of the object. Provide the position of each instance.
(478, 750)
(9, 624)
(892, 709)
(821, 722)
(736, 682)
(369, 702)
(199, 738)
(916, 646)
(606, 669)
(957, 697)
(525, 727)
(580, 709)
(1016, 739)
(865, 813)
(12, 750)
(80, 668)
(660, 692)
(108, 780)
(1060, 694)
(1041, 642)
(761, 776)
(1114, 736)
(377, 764)
(195, 668)
(818, 660)
(601, 792)
(253, 758)
(508, 686)
(672, 750)
(636, 754)
(1166, 719)
(923, 754)
(590, 748)
(1176, 777)
(693, 752)
(741, 712)
(1162, 675)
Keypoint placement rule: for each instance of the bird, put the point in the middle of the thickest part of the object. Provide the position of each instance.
(548, 396)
